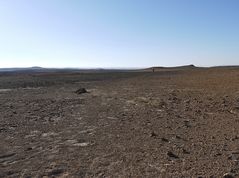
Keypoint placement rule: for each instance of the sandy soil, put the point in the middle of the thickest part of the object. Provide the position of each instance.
(138, 124)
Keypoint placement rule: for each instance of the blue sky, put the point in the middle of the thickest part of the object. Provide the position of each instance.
(118, 33)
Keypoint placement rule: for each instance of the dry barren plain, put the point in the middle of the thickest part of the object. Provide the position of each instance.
(167, 123)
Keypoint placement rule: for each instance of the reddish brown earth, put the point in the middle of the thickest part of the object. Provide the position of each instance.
(174, 123)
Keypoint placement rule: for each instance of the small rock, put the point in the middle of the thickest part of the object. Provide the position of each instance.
(178, 137)
(228, 175)
(232, 112)
(82, 144)
(80, 91)
(153, 134)
(185, 151)
(172, 155)
(235, 138)
(218, 154)
(49, 134)
(164, 140)
(28, 149)
(186, 123)
(234, 156)
(71, 141)
(55, 172)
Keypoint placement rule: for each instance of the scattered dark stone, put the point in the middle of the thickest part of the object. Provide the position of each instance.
(164, 140)
(236, 137)
(28, 177)
(174, 98)
(234, 156)
(228, 175)
(2, 129)
(233, 171)
(28, 149)
(10, 173)
(153, 134)
(55, 172)
(80, 91)
(185, 151)
(198, 111)
(178, 116)
(237, 107)
(180, 138)
(218, 154)
(172, 155)
(186, 123)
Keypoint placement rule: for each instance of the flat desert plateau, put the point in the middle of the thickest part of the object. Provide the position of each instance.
(176, 122)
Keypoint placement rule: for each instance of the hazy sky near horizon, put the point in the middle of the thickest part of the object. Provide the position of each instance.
(118, 33)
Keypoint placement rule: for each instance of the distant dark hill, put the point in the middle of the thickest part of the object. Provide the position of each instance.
(173, 68)
(37, 69)
(24, 70)
(226, 67)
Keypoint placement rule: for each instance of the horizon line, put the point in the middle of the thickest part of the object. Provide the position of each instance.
(115, 68)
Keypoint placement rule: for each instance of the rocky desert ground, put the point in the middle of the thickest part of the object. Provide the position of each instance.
(167, 123)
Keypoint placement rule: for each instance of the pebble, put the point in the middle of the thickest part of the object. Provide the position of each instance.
(164, 140)
(153, 134)
(80, 91)
(172, 155)
(55, 172)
